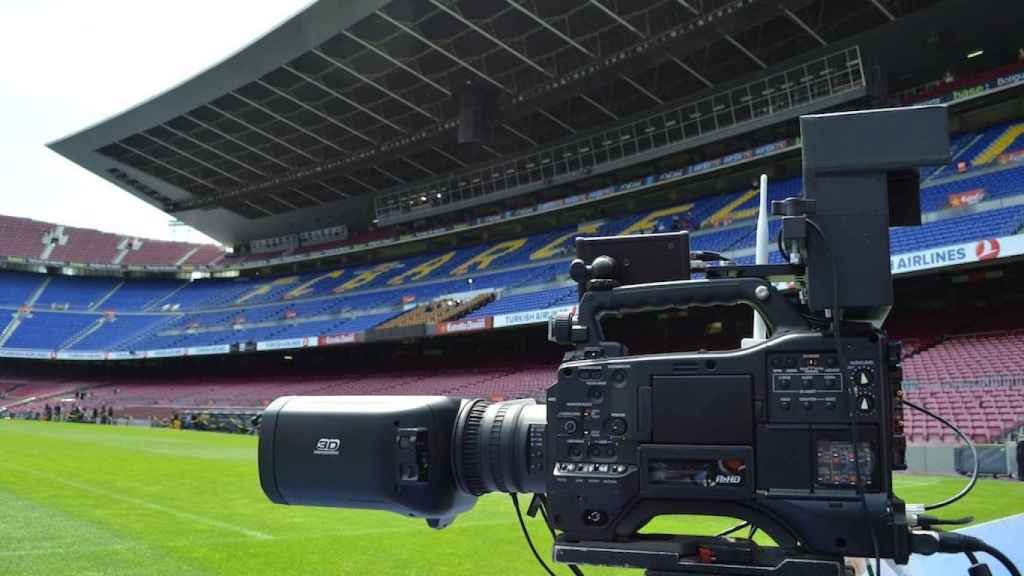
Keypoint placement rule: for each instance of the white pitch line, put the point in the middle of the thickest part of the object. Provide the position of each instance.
(71, 549)
(332, 535)
(146, 504)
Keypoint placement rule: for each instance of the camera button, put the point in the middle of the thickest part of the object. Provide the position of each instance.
(617, 426)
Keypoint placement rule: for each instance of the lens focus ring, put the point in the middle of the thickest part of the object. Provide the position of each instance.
(470, 449)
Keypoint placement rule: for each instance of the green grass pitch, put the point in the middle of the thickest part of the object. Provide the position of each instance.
(91, 500)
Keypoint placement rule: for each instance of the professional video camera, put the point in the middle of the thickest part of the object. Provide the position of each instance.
(796, 435)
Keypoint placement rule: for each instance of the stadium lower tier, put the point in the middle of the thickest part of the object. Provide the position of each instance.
(984, 413)
(161, 397)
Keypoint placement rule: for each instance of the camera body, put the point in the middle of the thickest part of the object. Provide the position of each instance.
(762, 433)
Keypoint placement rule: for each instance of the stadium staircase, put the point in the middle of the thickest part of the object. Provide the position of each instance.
(11, 327)
(187, 255)
(85, 333)
(129, 341)
(51, 239)
(439, 311)
(1000, 144)
(106, 296)
(39, 292)
(154, 304)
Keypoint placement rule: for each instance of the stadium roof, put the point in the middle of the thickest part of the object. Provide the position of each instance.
(353, 97)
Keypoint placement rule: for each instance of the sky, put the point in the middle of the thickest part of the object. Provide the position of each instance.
(68, 64)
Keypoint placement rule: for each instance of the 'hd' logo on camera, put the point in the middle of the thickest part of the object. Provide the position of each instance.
(327, 447)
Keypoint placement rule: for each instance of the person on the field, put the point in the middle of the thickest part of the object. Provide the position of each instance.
(1020, 458)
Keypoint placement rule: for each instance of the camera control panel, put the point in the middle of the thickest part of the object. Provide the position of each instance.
(814, 388)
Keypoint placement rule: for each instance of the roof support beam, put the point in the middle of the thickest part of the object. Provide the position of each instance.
(556, 120)
(490, 37)
(263, 133)
(389, 175)
(260, 208)
(193, 158)
(305, 106)
(361, 183)
(601, 108)
(544, 24)
(282, 201)
(449, 156)
(205, 146)
(313, 199)
(156, 160)
(742, 48)
(616, 17)
(689, 7)
(371, 82)
(396, 62)
(343, 98)
(690, 69)
(641, 89)
(883, 10)
(434, 46)
(796, 20)
(417, 165)
(531, 141)
(269, 112)
(227, 136)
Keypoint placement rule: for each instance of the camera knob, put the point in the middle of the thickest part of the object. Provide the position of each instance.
(560, 329)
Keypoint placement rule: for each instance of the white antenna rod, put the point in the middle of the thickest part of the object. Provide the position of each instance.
(761, 250)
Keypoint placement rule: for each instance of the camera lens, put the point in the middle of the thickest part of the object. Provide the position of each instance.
(492, 446)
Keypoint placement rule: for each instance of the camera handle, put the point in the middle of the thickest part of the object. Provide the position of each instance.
(585, 328)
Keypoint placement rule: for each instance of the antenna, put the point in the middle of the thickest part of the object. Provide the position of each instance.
(761, 250)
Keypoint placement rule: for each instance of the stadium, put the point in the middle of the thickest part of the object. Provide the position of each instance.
(396, 188)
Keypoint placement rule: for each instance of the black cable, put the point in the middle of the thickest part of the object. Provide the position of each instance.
(526, 534)
(544, 514)
(974, 453)
(970, 556)
(844, 370)
(1003, 559)
(778, 242)
(709, 256)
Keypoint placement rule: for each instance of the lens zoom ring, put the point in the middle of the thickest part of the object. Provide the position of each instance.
(494, 448)
(471, 462)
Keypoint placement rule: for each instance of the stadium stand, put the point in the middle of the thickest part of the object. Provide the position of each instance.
(17, 288)
(22, 237)
(986, 414)
(162, 396)
(525, 273)
(26, 238)
(75, 292)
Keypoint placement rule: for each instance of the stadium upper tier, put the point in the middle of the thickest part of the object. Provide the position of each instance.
(67, 313)
(31, 239)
